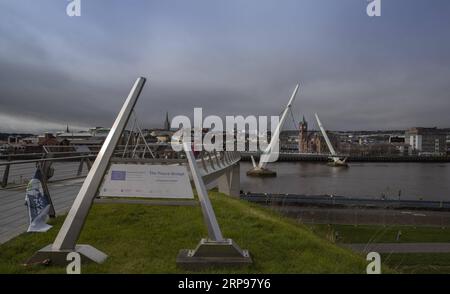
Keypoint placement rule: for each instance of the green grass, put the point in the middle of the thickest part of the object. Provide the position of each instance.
(414, 263)
(418, 263)
(146, 239)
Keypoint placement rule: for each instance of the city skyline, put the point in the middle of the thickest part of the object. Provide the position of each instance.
(358, 73)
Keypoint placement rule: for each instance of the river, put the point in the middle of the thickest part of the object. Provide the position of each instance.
(427, 181)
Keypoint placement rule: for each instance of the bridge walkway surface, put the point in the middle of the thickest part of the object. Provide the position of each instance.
(14, 213)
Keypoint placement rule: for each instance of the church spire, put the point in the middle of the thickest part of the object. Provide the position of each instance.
(167, 122)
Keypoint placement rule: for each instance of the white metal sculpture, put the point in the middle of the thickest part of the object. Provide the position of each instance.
(215, 249)
(67, 237)
(212, 250)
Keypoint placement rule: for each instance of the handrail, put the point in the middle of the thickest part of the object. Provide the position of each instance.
(211, 162)
(45, 159)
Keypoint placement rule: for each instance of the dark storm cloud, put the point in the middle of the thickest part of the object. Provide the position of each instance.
(229, 57)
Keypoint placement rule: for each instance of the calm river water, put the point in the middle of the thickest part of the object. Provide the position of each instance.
(427, 181)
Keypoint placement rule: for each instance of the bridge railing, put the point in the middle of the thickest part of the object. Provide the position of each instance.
(58, 167)
(216, 161)
(19, 172)
(207, 161)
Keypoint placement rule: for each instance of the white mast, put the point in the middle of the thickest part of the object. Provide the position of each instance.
(327, 140)
(275, 136)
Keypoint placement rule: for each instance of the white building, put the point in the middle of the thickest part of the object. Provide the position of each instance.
(427, 141)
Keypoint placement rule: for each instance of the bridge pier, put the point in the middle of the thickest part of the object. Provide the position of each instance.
(230, 183)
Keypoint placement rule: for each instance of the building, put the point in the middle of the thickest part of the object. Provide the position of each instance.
(426, 141)
(93, 136)
(313, 141)
(396, 139)
(448, 144)
(448, 141)
(289, 141)
(399, 143)
(47, 139)
(163, 135)
(4, 147)
(303, 136)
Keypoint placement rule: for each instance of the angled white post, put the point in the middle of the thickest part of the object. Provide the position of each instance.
(71, 229)
(215, 250)
(209, 216)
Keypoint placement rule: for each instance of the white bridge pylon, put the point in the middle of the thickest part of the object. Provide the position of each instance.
(274, 141)
(271, 153)
(334, 156)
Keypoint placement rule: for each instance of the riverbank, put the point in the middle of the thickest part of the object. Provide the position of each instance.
(306, 157)
(343, 202)
(358, 216)
(323, 209)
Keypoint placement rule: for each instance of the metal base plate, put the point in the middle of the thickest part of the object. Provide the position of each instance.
(58, 257)
(210, 253)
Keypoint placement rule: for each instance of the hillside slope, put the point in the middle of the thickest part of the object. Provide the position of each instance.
(146, 239)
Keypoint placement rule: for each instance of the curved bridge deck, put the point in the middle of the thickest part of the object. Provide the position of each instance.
(69, 175)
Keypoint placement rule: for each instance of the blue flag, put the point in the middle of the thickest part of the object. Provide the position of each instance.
(38, 204)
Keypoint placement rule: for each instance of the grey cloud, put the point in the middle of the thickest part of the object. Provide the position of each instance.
(82, 75)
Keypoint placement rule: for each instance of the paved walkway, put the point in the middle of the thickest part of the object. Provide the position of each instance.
(401, 247)
(14, 213)
(366, 216)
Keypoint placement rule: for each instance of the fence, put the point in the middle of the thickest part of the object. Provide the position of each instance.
(18, 173)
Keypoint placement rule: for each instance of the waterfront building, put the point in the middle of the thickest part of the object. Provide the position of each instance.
(313, 141)
(289, 141)
(396, 139)
(400, 144)
(303, 136)
(448, 143)
(371, 149)
(427, 141)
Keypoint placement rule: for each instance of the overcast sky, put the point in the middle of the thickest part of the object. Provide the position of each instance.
(230, 57)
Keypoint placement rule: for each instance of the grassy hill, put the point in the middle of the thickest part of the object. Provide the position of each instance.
(146, 239)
